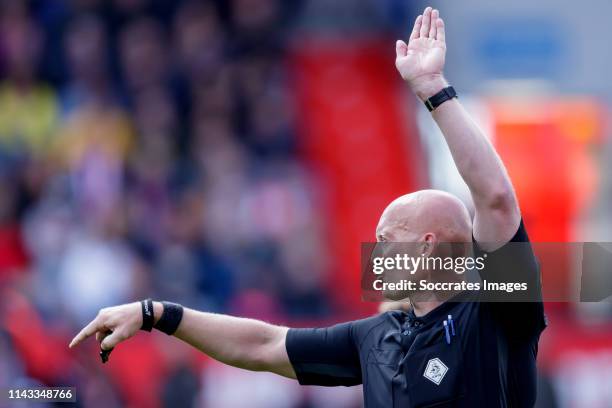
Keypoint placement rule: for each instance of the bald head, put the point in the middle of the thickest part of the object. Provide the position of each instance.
(411, 216)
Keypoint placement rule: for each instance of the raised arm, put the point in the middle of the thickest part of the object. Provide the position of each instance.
(421, 64)
(243, 343)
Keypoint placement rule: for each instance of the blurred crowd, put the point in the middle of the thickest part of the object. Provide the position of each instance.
(147, 149)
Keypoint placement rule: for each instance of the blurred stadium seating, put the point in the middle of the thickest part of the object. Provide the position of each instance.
(232, 155)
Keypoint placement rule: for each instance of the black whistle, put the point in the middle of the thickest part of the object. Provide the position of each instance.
(104, 355)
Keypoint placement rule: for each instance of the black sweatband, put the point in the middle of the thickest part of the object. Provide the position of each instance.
(170, 318)
(147, 314)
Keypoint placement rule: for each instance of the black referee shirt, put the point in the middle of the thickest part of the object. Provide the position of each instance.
(406, 361)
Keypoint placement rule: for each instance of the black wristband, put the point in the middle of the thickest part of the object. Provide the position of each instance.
(438, 99)
(170, 318)
(147, 314)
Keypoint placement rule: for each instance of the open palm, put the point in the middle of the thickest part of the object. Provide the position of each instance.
(423, 57)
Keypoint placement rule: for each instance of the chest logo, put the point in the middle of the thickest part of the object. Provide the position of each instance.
(435, 370)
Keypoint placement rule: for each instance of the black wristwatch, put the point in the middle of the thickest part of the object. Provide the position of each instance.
(438, 99)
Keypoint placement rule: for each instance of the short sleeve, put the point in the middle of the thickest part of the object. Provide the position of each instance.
(326, 356)
(522, 314)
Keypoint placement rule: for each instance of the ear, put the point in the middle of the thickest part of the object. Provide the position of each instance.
(429, 243)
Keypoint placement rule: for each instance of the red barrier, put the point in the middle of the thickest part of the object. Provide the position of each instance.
(358, 135)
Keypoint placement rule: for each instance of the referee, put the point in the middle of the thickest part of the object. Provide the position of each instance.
(443, 351)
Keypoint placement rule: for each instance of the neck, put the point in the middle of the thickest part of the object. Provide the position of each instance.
(425, 304)
(426, 301)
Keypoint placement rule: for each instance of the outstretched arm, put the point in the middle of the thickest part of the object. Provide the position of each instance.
(421, 63)
(243, 343)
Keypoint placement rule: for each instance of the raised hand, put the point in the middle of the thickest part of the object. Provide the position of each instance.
(421, 61)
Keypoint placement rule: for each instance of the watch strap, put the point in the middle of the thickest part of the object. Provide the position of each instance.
(438, 99)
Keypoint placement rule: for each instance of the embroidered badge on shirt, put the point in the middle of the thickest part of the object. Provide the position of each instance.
(435, 370)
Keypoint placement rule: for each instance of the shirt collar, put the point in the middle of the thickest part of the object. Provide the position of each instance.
(441, 311)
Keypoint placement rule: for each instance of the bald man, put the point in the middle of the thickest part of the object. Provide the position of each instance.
(441, 349)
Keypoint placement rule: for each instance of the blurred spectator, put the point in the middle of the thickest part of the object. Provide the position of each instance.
(199, 40)
(256, 24)
(28, 107)
(14, 258)
(93, 144)
(260, 389)
(148, 148)
(143, 54)
(11, 368)
(86, 50)
(95, 257)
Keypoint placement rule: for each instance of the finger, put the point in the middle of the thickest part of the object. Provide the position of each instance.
(434, 23)
(401, 49)
(110, 341)
(94, 326)
(416, 30)
(440, 33)
(426, 23)
(100, 335)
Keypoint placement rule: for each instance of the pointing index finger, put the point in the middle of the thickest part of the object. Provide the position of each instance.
(94, 326)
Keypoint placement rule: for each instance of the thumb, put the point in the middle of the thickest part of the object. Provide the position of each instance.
(401, 49)
(109, 342)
